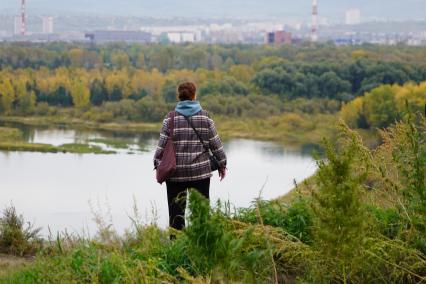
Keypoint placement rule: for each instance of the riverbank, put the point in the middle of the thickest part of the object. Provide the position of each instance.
(300, 132)
(53, 121)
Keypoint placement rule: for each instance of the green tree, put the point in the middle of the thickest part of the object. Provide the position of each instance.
(120, 59)
(380, 107)
(163, 59)
(340, 218)
(98, 93)
(27, 102)
(169, 91)
(331, 85)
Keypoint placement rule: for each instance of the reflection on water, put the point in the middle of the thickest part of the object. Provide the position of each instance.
(63, 134)
(55, 189)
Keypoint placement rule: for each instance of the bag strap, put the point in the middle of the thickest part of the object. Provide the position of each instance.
(171, 124)
(206, 148)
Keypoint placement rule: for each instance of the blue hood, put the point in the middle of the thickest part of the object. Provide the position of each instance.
(188, 108)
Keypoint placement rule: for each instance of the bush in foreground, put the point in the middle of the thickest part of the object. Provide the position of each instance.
(17, 237)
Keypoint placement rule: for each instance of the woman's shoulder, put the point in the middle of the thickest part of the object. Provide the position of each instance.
(204, 113)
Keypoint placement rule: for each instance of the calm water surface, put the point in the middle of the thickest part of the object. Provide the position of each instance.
(61, 191)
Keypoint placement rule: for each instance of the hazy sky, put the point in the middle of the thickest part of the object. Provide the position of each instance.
(388, 9)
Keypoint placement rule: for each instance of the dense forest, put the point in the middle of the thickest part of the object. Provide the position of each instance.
(120, 82)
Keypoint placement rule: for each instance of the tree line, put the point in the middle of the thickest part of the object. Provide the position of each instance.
(190, 56)
(138, 82)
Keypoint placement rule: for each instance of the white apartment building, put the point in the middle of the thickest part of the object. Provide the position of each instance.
(353, 17)
(47, 25)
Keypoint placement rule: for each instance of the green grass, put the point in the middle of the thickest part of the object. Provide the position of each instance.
(115, 143)
(83, 149)
(47, 148)
(118, 143)
(261, 244)
(11, 140)
(290, 129)
(10, 134)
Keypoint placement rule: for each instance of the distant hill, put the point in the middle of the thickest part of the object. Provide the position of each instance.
(388, 9)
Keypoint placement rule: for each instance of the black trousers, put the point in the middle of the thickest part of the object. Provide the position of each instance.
(176, 197)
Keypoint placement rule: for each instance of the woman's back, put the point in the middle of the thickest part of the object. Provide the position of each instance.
(192, 160)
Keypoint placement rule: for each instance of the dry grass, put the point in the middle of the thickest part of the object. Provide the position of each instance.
(9, 264)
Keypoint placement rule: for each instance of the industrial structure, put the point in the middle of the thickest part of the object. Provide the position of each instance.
(23, 18)
(314, 32)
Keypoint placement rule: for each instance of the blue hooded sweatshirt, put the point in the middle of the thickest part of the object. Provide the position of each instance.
(188, 108)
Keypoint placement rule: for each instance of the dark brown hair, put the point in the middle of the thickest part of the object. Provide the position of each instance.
(186, 91)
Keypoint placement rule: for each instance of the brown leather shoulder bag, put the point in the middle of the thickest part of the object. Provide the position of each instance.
(167, 166)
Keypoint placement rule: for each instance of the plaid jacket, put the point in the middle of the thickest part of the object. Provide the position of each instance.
(192, 161)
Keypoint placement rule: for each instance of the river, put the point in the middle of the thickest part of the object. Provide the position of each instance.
(61, 192)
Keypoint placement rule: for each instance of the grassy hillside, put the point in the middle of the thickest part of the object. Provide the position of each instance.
(360, 219)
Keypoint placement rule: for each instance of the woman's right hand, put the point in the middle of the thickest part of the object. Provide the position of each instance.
(222, 173)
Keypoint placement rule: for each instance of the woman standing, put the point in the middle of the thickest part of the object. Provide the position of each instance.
(194, 136)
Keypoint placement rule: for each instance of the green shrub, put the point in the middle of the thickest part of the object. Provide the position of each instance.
(405, 143)
(16, 236)
(215, 247)
(389, 221)
(295, 219)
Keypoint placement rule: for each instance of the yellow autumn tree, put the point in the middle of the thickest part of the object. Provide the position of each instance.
(352, 111)
(117, 85)
(152, 82)
(243, 73)
(140, 61)
(411, 94)
(80, 92)
(7, 96)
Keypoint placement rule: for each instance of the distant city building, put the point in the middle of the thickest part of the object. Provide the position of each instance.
(353, 17)
(181, 37)
(47, 27)
(278, 37)
(176, 34)
(225, 36)
(414, 42)
(17, 25)
(347, 41)
(114, 36)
